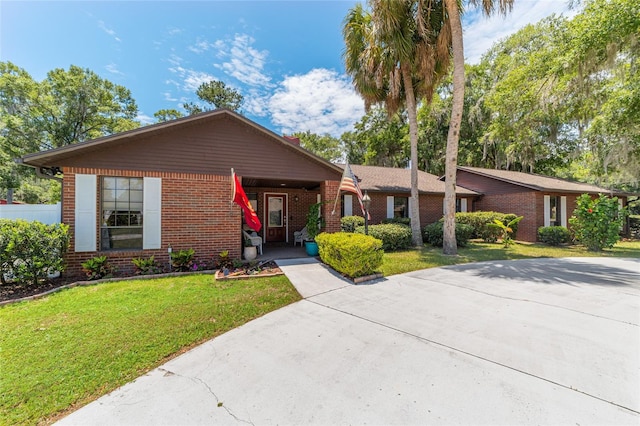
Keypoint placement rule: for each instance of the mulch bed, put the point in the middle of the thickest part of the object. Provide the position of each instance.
(16, 291)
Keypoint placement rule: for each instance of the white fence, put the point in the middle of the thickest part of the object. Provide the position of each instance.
(45, 213)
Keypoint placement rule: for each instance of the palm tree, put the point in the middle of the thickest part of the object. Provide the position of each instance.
(396, 54)
(453, 8)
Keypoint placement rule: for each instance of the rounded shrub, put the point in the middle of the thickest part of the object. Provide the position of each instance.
(354, 255)
(350, 223)
(554, 235)
(433, 234)
(597, 222)
(399, 220)
(393, 236)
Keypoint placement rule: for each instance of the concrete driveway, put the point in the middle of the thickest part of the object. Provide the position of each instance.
(541, 341)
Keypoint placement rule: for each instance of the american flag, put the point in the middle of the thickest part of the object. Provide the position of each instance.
(349, 183)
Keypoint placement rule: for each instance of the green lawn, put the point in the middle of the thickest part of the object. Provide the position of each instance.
(430, 257)
(71, 347)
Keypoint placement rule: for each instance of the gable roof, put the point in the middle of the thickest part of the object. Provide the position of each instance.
(537, 182)
(55, 157)
(390, 179)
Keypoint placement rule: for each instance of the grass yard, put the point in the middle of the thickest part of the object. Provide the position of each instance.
(430, 257)
(69, 348)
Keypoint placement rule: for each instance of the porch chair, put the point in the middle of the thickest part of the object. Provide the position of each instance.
(300, 236)
(255, 239)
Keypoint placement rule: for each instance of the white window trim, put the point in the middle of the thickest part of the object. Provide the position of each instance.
(390, 206)
(348, 205)
(85, 231)
(563, 211)
(152, 213)
(547, 210)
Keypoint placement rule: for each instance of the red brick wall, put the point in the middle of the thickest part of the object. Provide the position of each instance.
(329, 189)
(430, 207)
(529, 204)
(196, 213)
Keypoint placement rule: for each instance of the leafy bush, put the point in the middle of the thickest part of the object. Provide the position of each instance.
(146, 266)
(399, 220)
(554, 235)
(354, 255)
(433, 234)
(596, 223)
(98, 267)
(393, 236)
(350, 223)
(482, 224)
(506, 230)
(182, 260)
(30, 250)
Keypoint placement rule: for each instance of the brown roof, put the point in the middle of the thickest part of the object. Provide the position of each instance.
(389, 179)
(537, 182)
(53, 157)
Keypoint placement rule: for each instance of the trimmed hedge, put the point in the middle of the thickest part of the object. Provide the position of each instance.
(350, 223)
(554, 235)
(354, 255)
(399, 220)
(481, 222)
(393, 236)
(433, 234)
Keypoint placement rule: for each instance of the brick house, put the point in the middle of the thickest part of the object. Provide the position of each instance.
(134, 194)
(542, 200)
(390, 192)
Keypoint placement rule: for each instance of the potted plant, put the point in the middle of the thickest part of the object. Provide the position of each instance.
(314, 225)
(250, 251)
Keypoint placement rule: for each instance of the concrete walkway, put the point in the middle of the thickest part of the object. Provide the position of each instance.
(540, 341)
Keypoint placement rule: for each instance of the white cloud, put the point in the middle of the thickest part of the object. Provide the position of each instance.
(321, 101)
(109, 31)
(242, 61)
(481, 32)
(145, 119)
(113, 69)
(190, 79)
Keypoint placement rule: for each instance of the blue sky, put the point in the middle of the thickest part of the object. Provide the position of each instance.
(283, 56)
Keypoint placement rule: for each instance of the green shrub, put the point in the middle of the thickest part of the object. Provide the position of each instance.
(433, 234)
(510, 217)
(506, 229)
(481, 222)
(147, 266)
(350, 223)
(30, 250)
(596, 223)
(182, 260)
(393, 236)
(399, 220)
(554, 235)
(98, 267)
(354, 255)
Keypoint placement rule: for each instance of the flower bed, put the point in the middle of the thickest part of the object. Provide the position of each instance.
(252, 270)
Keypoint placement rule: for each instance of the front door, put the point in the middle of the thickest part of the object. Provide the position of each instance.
(276, 220)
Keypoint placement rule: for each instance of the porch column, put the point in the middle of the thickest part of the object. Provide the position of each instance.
(329, 189)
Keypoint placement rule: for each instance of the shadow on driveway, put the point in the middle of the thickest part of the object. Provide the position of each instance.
(554, 271)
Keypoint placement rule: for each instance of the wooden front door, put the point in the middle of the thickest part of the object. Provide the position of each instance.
(276, 220)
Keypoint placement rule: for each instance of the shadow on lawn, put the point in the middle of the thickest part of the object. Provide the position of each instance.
(568, 271)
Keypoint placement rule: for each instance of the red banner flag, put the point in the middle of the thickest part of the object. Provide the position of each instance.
(240, 198)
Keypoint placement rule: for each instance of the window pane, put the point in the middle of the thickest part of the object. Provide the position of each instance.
(136, 184)
(109, 183)
(122, 183)
(108, 195)
(400, 207)
(136, 196)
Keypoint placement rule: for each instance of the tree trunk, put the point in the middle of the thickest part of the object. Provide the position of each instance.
(451, 162)
(414, 211)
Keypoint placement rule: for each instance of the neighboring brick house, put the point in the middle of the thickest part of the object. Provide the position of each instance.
(542, 200)
(390, 192)
(134, 193)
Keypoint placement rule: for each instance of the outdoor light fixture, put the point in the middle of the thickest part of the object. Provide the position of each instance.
(169, 250)
(366, 201)
(295, 198)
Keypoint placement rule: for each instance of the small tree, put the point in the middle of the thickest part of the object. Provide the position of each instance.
(596, 223)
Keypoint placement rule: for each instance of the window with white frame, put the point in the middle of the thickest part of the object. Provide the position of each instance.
(121, 213)
(400, 207)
